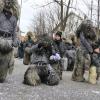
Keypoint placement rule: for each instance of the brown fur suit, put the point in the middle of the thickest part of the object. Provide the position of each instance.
(86, 37)
(37, 73)
(40, 69)
(6, 59)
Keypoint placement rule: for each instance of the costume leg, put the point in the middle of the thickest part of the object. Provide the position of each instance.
(92, 75)
(57, 67)
(78, 71)
(31, 76)
(53, 77)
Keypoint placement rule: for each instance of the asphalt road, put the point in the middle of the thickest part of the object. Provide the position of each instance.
(14, 89)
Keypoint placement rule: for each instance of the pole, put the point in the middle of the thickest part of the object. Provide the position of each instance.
(20, 15)
(98, 12)
(91, 8)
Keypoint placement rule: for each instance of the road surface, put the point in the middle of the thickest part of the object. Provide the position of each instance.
(14, 89)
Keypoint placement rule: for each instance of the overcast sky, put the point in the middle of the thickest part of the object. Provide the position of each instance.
(29, 9)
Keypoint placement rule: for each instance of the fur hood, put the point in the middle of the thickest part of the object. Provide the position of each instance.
(14, 7)
(1, 5)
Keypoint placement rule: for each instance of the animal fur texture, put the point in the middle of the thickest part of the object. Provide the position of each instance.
(31, 76)
(6, 59)
(34, 75)
(1, 5)
(13, 4)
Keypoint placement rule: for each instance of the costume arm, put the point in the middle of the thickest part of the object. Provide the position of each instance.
(86, 44)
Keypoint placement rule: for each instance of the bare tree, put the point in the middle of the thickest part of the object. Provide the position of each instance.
(46, 20)
(62, 24)
(98, 20)
(56, 17)
(39, 24)
(91, 8)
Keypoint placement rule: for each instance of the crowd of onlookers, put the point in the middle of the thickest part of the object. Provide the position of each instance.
(22, 43)
(69, 44)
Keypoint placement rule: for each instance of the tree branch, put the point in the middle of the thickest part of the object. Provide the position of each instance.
(44, 5)
(71, 13)
(57, 2)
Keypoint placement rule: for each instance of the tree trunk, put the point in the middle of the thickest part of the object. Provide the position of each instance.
(64, 24)
(61, 15)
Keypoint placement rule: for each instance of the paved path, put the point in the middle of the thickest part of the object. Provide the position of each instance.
(13, 89)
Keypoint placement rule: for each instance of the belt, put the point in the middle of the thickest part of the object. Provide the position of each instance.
(40, 63)
(5, 34)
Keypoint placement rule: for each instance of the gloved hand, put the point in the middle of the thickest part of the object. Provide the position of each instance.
(53, 52)
(40, 45)
(97, 50)
(55, 57)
